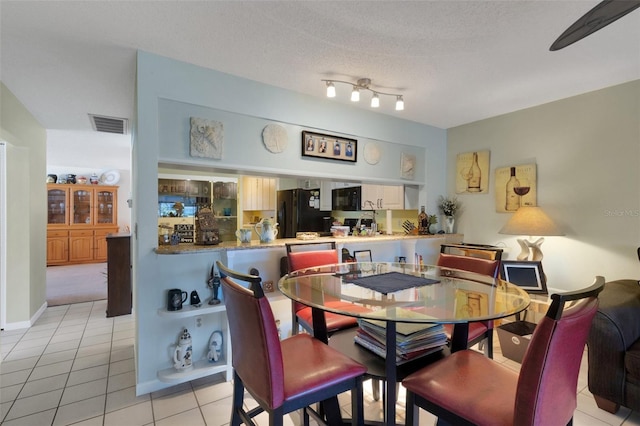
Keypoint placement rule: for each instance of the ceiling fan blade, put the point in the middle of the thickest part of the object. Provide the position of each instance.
(599, 17)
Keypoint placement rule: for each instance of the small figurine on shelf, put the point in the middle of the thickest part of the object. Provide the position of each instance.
(215, 346)
(183, 351)
(214, 283)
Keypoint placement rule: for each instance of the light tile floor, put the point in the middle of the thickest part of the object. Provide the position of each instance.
(74, 366)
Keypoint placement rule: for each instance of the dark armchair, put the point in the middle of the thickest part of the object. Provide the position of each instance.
(614, 347)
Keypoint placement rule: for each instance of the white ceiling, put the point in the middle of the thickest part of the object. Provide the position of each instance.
(454, 61)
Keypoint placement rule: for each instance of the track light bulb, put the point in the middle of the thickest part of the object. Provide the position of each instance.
(331, 90)
(399, 103)
(375, 100)
(355, 94)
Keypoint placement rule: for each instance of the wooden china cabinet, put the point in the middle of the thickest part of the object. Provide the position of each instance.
(79, 218)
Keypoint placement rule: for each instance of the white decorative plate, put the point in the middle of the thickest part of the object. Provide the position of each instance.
(371, 153)
(275, 138)
(110, 177)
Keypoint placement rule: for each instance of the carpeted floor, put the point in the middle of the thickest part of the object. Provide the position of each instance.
(76, 283)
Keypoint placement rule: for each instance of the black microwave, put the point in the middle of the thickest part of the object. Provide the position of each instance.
(346, 198)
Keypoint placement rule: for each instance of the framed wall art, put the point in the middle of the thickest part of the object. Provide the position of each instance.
(472, 172)
(515, 187)
(407, 166)
(527, 275)
(327, 146)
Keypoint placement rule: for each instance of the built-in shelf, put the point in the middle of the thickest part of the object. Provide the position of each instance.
(199, 369)
(189, 311)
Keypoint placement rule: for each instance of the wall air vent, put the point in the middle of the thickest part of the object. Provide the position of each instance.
(101, 123)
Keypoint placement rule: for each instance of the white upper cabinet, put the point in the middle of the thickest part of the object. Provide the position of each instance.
(382, 197)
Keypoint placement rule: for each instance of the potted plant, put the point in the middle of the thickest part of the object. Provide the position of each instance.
(449, 207)
(432, 219)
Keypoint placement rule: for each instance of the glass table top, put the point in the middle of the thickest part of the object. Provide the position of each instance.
(428, 294)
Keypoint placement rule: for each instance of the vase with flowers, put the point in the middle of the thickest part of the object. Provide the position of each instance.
(449, 207)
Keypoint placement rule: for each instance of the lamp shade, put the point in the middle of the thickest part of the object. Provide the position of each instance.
(530, 221)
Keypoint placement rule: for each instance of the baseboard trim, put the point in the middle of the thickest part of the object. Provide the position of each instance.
(26, 324)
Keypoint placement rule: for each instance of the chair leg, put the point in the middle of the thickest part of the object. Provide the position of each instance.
(375, 387)
(357, 404)
(276, 417)
(305, 417)
(238, 396)
(295, 326)
(412, 411)
(488, 345)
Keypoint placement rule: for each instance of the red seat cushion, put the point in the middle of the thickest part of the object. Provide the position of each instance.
(476, 329)
(478, 388)
(312, 365)
(334, 322)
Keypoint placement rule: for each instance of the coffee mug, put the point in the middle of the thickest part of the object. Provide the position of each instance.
(244, 235)
(175, 299)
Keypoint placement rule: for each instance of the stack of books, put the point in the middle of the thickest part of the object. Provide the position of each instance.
(413, 340)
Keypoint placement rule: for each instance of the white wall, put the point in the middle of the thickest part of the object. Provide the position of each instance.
(587, 150)
(83, 153)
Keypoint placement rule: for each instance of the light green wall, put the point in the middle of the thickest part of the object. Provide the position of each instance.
(587, 152)
(168, 92)
(26, 210)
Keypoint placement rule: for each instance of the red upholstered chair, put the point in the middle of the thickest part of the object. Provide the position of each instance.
(468, 388)
(282, 376)
(478, 331)
(304, 256)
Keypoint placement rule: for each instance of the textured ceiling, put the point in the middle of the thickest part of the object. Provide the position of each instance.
(454, 61)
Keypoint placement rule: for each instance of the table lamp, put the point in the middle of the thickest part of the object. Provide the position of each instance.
(530, 221)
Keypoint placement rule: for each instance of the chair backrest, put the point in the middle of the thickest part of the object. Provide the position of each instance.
(257, 355)
(304, 256)
(547, 385)
(470, 264)
(483, 251)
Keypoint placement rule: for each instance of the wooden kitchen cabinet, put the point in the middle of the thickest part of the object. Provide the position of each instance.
(258, 193)
(100, 244)
(382, 197)
(79, 218)
(57, 247)
(80, 246)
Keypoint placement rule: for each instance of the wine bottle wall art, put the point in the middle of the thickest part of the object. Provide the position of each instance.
(515, 186)
(472, 172)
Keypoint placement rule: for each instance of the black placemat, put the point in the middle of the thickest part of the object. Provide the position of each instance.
(392, 281)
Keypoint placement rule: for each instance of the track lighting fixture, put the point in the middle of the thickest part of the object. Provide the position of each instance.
(360, 85)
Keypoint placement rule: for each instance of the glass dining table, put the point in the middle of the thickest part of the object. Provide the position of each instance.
(400, 309)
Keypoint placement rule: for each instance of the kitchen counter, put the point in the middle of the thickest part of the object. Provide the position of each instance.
(280, 242)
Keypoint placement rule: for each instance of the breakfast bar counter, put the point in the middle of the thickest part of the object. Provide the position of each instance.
(280, 242)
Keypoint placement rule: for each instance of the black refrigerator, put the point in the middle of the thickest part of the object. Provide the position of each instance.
(298, 211)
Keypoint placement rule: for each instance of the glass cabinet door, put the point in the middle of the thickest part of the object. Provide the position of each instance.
(81, 199)
(57, 206)
(105, 206)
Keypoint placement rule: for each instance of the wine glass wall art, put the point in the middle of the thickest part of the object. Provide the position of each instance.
(515, 187)
(472, 172)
